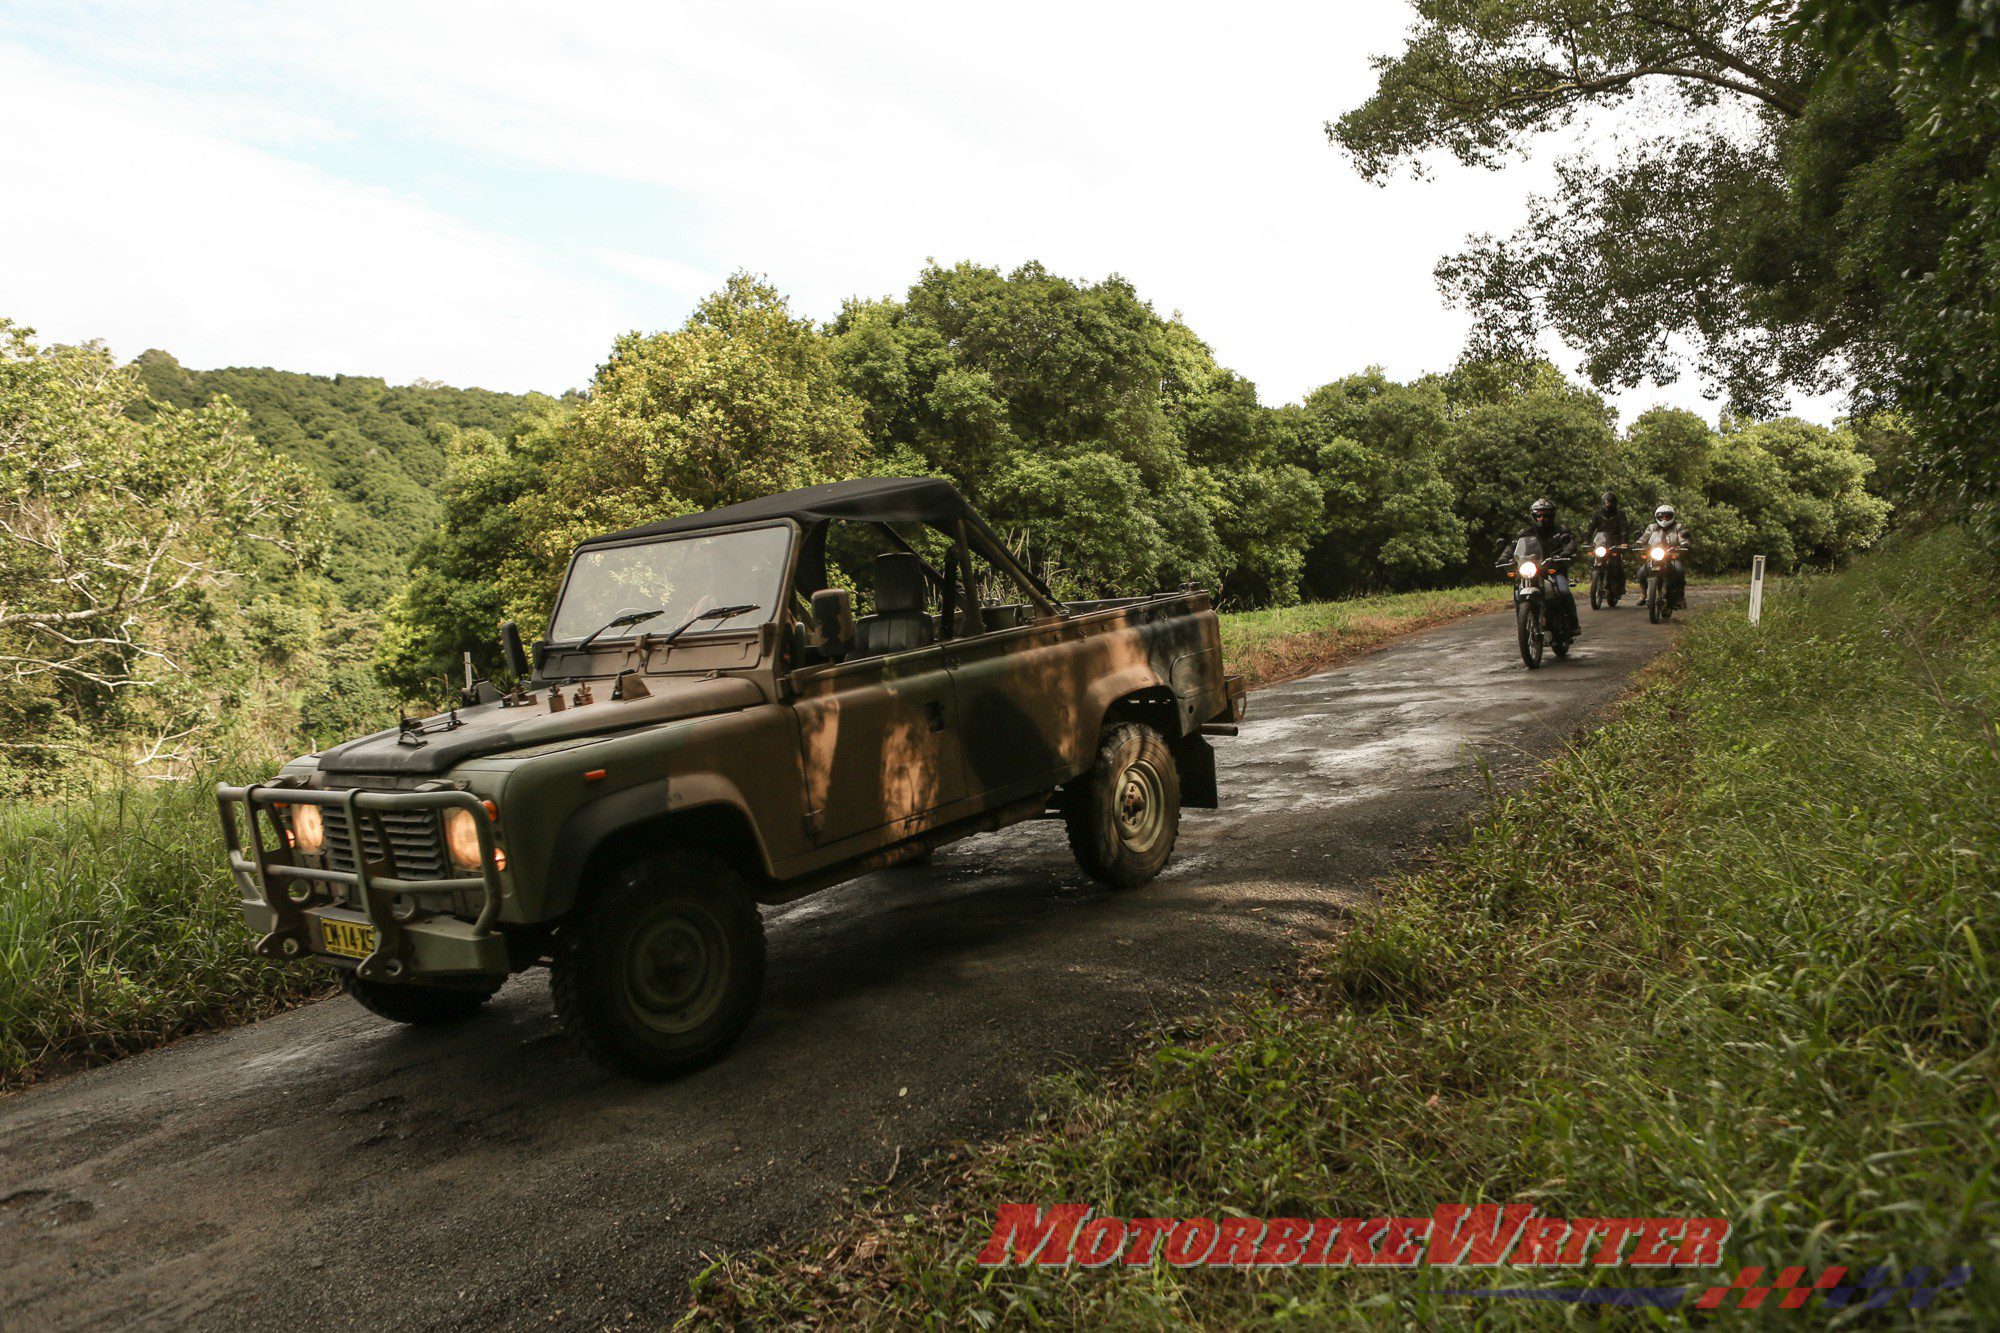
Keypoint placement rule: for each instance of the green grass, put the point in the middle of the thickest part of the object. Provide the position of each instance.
(1735, 953)
(119, 930)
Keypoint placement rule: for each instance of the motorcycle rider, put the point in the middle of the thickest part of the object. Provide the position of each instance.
(1667, 530)
(1609, 521)
(1556, 542)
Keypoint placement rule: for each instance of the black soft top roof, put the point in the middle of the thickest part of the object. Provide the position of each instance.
(865, 500)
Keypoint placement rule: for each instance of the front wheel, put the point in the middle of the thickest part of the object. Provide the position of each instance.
(1528, 630)
(661, 974)
(1653, 601)
(1124, 813)
(419, 1006)
(1597, 597)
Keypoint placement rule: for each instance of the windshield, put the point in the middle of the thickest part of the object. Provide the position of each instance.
(681, 578)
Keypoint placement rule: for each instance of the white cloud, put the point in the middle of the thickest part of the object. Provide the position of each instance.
(834, 147)
(145, 228)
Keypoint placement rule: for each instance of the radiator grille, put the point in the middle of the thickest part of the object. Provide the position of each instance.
(415, 843)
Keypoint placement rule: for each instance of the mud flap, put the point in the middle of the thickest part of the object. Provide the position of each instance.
(1194, 757)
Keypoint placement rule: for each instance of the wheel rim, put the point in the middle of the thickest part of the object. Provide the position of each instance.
(1141, 810)
(676, 970)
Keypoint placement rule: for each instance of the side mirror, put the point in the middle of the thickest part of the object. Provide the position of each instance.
(510, 650)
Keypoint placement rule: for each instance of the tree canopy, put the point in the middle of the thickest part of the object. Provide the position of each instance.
(1803, 202)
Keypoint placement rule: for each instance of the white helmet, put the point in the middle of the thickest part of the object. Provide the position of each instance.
(1664, 514)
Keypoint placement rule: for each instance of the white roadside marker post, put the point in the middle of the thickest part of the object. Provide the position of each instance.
(1756, 588)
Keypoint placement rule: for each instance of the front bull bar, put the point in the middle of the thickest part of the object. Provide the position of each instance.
(271, 870)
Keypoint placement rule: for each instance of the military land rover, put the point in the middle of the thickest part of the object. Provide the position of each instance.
(708, 726)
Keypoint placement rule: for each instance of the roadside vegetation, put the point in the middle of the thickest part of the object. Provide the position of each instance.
(119, 930)
(1733, 954)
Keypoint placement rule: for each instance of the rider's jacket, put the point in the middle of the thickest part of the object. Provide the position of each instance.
(1555, 539)
(1610, 522)
(1667, 534)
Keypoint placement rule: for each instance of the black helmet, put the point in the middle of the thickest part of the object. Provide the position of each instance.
(1542, 509)
(1610, 500)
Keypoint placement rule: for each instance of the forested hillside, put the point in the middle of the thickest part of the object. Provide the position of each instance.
(378, 448)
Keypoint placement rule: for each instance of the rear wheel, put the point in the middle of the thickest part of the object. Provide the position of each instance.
(420, 1006)
(1124, 814)
(661, 973)
(1528, 630)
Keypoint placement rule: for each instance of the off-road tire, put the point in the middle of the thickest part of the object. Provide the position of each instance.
(1524, 632)
(1653, 602)
(1598, 594)
(659, 974)
(419, 1006)
(1124, 813)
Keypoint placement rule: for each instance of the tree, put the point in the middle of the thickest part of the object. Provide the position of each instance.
(125, 543)
(1805, 207)
(1017, 385)
(1521, 432)
(1388, 517)
(742, 400)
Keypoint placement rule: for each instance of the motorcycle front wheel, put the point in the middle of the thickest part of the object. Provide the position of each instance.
(1653, 601)
(1528, 630)
(1597, 591)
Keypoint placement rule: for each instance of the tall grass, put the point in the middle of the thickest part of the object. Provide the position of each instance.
(1736, 953)
(119, 929)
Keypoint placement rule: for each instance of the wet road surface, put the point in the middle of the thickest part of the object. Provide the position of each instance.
(325, 1166)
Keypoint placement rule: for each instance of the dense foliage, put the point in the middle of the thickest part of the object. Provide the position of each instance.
(194, 564)
(1802, 206)
(1105, 442)
(143, 565)
(378, 450)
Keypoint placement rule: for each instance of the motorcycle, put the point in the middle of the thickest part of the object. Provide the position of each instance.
(1607, 571)
(1536, 625)
(1659, 598)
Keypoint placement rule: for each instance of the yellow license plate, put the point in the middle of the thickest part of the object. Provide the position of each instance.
(349, 939)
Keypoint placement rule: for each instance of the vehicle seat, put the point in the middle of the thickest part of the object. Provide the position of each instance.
(900, 621)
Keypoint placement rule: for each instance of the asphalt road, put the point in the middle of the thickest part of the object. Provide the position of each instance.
(324, 1166)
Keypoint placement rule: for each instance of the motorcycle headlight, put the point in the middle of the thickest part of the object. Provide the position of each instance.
(1659, 553)
(1529, 569)
(461, 836)
(308, 829)
(1603, 551)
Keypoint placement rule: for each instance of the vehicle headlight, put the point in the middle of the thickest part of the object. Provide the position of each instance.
(1529, 569)
(1659, 553)
(308, 829)
(461, 836)
(1603, 551)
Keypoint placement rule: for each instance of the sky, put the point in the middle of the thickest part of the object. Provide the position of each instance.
(488, 194)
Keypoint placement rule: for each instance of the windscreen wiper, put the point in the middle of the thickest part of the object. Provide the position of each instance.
(638, 617)
(713, 613)
(622, 618)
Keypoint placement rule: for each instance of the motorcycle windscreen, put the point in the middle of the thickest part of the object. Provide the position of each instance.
(1527, 548)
